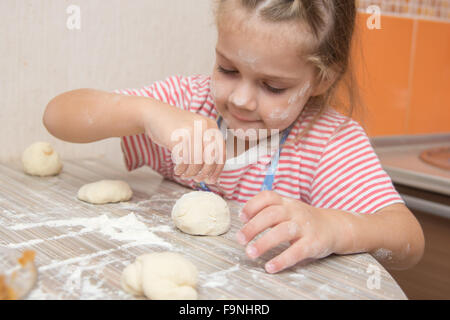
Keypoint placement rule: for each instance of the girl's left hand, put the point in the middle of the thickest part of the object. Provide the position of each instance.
(311, 232)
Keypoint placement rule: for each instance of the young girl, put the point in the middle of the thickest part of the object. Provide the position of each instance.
(278, 63)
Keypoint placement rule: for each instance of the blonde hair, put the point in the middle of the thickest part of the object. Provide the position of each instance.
(331, 23)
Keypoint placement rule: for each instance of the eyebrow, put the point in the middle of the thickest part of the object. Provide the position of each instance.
(268, 76)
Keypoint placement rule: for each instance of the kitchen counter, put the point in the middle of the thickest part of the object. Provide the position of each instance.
(81, 249)
(399, 156)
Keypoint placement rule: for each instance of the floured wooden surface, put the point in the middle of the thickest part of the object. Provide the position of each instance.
(81, 249)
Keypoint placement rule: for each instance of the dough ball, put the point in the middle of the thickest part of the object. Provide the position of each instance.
(161, 276)
(201, 213)
(105, 191)
(39, 159)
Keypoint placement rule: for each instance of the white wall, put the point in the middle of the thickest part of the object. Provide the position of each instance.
(121, 44)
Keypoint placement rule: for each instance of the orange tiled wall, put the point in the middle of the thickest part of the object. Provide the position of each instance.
(404, 73)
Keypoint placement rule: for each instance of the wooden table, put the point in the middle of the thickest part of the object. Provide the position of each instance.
(78, 257)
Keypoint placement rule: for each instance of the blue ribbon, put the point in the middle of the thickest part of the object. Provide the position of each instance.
(270, 173)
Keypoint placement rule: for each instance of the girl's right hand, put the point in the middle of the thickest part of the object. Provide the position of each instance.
(204, 157)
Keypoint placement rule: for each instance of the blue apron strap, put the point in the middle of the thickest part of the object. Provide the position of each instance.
(270, 174)
(268, 180)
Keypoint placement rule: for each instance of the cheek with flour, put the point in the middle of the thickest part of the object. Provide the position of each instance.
(299, 95)
(280, 114)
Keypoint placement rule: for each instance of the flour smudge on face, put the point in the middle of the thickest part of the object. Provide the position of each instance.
(279, 114)
(238, 100)
(247, 58)
(301, 93)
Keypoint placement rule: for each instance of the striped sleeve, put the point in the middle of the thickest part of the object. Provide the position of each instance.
(349, 175)
(139, 150)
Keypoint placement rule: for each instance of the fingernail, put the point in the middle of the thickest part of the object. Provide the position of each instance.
(241, 238)
(270, 267)
(252, 251)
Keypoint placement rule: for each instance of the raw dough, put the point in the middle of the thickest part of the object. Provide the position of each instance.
(105, 191)
(161, 276)
(39, 159)
(201, 213)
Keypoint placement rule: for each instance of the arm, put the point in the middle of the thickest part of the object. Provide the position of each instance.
(87, 115)
(392, 235)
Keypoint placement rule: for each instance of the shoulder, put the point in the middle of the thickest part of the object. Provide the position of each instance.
(331, 133)
(329, 127)
(191, 93)
(200, 99)
(173, 84)
(188, 86)
(198, 85)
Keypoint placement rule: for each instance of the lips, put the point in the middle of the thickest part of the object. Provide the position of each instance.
(242, 118)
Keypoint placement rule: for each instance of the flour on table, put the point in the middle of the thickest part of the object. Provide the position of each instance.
(126, 228)
(219, 278)
(297, 276)
(78, 279)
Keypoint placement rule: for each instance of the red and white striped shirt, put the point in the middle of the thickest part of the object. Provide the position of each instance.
(333, 166)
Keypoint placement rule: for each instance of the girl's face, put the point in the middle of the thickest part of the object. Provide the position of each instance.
(259, 80)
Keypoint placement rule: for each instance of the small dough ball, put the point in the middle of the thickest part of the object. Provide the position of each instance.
(161, 276)
(201, 213)
(39, 159)
(105, 191)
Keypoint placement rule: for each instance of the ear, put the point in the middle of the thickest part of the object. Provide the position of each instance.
(325, 79)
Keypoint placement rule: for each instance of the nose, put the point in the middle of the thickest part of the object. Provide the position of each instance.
(243, 97)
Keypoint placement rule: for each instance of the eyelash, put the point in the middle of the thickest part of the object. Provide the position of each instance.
(266, 86)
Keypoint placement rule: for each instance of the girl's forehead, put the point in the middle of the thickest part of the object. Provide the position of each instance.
(262, 45)
(287, 35)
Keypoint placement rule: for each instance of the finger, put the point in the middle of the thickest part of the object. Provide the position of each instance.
(262, 200)
(285, 231)
(205, 172)
(214, 177)
(266, 218)
(192, 170)
(195, 159)
(180, 169)
(295, 253)
(209, 164)
(220, 163)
